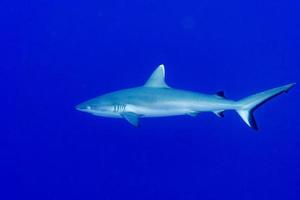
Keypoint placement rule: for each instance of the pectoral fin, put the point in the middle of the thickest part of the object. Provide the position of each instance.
(131, 117)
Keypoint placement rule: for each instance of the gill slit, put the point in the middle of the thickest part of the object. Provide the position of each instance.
(119, 107)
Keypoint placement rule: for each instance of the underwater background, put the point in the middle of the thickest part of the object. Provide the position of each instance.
(56, 54)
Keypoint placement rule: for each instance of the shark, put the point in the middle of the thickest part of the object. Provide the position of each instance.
(157, 99)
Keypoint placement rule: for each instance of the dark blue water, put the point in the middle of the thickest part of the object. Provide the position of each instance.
(56, 54)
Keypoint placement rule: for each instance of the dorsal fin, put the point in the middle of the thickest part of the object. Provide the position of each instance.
(157, 78)
(221, 94)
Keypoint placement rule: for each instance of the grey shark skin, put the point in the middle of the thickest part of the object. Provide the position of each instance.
(157, 99)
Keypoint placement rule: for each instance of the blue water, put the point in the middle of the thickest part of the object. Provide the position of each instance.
(56, 54)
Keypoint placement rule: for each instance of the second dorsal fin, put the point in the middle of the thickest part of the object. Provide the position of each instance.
(221, 94)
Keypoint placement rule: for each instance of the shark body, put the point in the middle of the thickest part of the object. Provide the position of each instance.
(156, 99)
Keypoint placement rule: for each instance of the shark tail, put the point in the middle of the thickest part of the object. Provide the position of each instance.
(246, 106)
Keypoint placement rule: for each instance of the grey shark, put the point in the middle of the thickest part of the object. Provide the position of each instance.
(156, 99)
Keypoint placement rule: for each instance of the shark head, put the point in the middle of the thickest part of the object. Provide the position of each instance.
(100, 106)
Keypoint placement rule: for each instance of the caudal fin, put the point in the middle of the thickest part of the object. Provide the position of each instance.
(248, 105)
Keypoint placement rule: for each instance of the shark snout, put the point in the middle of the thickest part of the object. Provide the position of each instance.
(82, 107)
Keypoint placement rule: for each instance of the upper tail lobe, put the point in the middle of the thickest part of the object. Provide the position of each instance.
(248, 105)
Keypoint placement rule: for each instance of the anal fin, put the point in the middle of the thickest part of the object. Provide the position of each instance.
(219, 113)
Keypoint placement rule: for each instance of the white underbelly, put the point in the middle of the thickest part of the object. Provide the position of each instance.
(158, 111)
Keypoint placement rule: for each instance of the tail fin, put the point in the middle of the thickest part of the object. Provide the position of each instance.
(248, 105)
